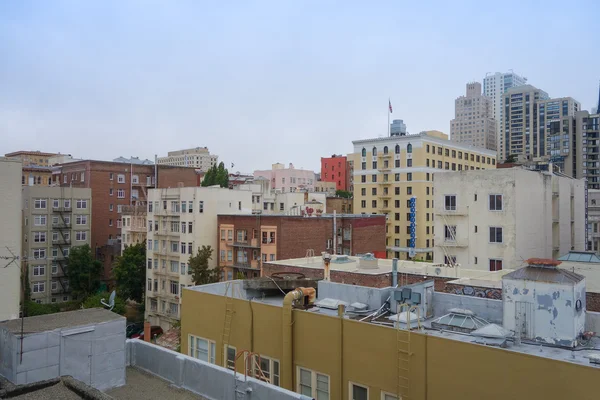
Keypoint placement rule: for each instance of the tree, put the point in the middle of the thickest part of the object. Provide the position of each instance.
(83, 271)
(343, 193)
(198, 264)
(216, 175)
(130, 272)
(511, 159)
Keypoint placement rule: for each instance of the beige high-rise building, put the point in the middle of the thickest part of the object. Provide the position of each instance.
(180, 221)
(10, 238)
(198, 157)
(55, 219)
(473, 122)
(394, 176)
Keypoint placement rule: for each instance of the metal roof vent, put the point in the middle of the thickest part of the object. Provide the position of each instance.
(459, 320)
(367, 261)
(329, 303)
(341, 259)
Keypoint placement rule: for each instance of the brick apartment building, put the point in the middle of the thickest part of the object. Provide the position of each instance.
(246, 241)
(115, 185)
(335, 169)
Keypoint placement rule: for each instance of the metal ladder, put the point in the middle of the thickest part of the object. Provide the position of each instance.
(229, 311)
(404, 351)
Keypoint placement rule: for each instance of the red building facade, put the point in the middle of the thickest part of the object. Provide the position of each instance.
(335, 169)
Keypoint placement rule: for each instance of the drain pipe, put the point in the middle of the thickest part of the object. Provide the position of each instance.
(394, 272)
(287, 370)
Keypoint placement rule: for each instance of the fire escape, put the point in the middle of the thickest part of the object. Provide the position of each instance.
(62, 243)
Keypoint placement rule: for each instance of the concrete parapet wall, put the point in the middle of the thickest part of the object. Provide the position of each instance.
(207, 380)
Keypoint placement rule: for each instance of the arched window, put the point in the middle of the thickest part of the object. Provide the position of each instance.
(364, 152)
(409, 148)
(397, 149)
(374, 151)
(385, 150)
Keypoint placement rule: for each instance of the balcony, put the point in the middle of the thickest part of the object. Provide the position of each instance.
(384, 156)
(166, 232)
(137, 228)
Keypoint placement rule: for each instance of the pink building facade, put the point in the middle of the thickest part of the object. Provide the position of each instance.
(288, 179)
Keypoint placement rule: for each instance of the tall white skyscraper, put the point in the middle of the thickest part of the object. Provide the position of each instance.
(494, 86)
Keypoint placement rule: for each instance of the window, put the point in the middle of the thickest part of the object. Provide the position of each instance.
(388, 396)
(110, 192)
(313, 384)
(121, 178)
(39, 204)
(39, 270)
(409, 162)
(81, 204)
(120, 193)
(495, 202)
(269, 368)
(150, 285)
(111, 176)
(39, 220)
(374, 151)
(183, 247)
(81, 236)
(201, 206)
(230, 352)
(409, 190)
(119, 208)
(363, 204)
(202, 349)
(449, 233)
(358, 392)
(174, 287)
(495, 264)
(409, 176)
(409, 148)
(363, 178)
(450, 203)
(495, 234)
(54, 269)
(190, 224)
(364, 152)
(39, 254)
(39, 237)
(363, 192)
(39, 287)
(81, 219)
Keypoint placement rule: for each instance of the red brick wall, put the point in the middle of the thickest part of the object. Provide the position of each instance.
(333, 169)
(335, 203)
(592, 301)
(97, 177)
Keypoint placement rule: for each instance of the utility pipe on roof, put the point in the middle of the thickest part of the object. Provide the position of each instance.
(287, 365)
(394, 272)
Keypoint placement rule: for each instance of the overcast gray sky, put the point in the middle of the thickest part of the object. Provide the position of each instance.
(260, 82)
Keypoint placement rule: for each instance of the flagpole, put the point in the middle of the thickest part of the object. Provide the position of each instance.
(389, 131)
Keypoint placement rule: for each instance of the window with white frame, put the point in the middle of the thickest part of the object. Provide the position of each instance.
(39, 270)
(54, 252)
(39, 237)
(121, 193)
(54, 269)
(120, 178)
(313, 384)
(495, 234)
(358, 392)
(450, 202)
(119, 223)
(201, 206)
(174, 287)
(54, 220)
(173, 308)
(135, 179)
(55, 203)
(39, 254)
(450, 233)
(81, 236)
(39, 204)
(269, 368)
(174, 266)
(66, 251)
(495, 264)
(82, 177)
(55, 236)
(39, 220)
(388, 396)
(81, 219)
(54, 285)
(39, 287)
(495, 202)
(119, 208)
(202, 349)
(182, 269)
(81, 204)
(68, 203)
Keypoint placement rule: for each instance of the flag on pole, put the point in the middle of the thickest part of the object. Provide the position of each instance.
(390, 103)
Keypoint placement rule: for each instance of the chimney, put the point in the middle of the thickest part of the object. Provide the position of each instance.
(147, 331)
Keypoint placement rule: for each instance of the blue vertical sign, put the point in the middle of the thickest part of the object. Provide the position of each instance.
(413, 219)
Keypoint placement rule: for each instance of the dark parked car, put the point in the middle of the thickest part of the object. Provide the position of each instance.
(154, 332)
(133, 329)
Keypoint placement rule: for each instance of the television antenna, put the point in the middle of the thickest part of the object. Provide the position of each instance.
(11, 259)
(111, 301)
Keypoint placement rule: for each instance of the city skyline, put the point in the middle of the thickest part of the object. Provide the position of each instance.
(305, 79)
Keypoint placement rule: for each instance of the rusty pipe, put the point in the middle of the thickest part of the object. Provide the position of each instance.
(287, 365)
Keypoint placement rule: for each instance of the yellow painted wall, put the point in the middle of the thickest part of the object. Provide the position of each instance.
(440, 369)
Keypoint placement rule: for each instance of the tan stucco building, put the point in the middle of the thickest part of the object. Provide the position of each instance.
(473, 122)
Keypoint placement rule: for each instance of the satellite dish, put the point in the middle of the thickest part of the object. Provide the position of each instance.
(111, 301)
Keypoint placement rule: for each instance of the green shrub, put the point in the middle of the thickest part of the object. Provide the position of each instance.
(94, 302)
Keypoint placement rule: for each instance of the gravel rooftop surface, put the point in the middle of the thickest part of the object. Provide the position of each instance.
(142, 385)
(54, 392)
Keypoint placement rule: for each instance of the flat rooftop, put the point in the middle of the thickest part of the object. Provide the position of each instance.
(384, 266)
(338, 216)
(142, 385)
(43, 323)
(580, 356)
